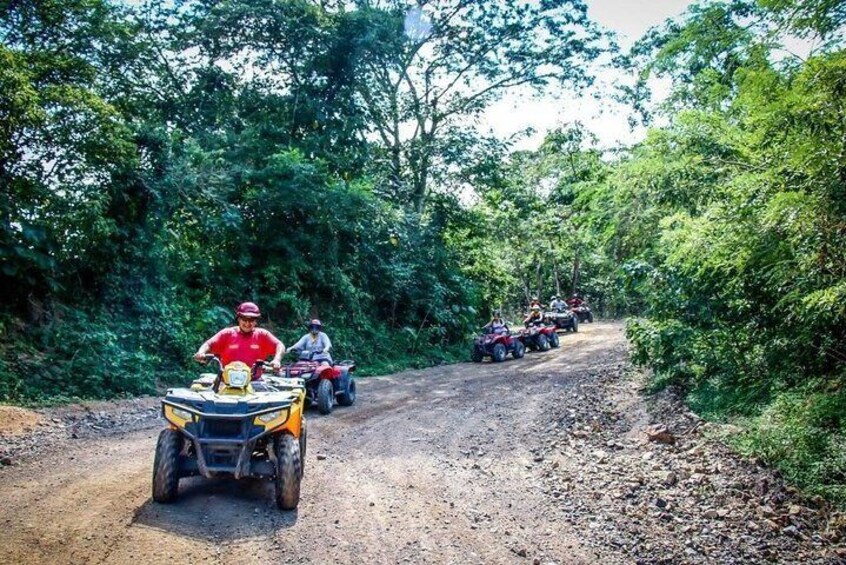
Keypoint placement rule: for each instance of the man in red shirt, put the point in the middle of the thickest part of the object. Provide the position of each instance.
(244, 342)
(575, 301)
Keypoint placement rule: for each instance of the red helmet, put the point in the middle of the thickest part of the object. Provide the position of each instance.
(315, 322)
(248, 310)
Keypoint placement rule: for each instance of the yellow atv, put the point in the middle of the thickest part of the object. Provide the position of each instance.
(228, 425)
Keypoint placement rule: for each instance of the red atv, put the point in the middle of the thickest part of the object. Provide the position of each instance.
(540, 337)
(497, 344)
(324, 382)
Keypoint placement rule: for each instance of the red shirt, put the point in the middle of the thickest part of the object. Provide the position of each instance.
(231, 344)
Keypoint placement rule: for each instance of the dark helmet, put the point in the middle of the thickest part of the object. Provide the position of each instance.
(315, 323)
(248, 310)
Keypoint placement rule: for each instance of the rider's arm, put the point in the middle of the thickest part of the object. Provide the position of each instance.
(327, 344)
(301, 344)
(211, 345)
(277, 356)
(202, 352)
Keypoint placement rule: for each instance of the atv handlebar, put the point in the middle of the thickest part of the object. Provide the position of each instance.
(306, 355)
(212, 357)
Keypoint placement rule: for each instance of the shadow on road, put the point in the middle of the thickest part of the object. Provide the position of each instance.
(218, 510)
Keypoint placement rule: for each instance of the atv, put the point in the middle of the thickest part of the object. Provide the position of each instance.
(583, 312)
(565, 320)
(325, 383)
(497, 344)
(540, 337)
(226, 424)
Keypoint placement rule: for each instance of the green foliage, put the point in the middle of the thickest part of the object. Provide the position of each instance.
(737, 250)
(801, 432)
(150, 186)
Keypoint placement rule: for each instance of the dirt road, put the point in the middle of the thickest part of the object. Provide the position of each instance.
(535, 461)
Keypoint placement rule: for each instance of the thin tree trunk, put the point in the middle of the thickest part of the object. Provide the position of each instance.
(576, 266)
(539, 280)
(557, 279)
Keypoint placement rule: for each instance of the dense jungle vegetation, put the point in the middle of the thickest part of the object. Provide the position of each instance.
(161, 163)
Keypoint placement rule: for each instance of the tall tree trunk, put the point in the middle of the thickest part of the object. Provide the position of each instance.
(539, 275)
(557, 279)
(576, 267)
(421, 172)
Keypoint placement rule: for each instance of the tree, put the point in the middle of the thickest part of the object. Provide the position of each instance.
(425, 74)
(412, 78)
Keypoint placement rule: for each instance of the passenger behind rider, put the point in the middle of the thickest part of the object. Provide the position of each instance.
(315, 342)
(245, 342)
(496, 324)
(535, 316)
(557, 305)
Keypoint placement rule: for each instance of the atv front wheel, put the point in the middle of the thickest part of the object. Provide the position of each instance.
(325, 396)
(553, 340)
(476, 356)
(166, 466)
(575, 327)
(499, 353)
(288, 472)
(543, 343)
(519, 350)
(347, 397)
(303, 445)
(590, 317)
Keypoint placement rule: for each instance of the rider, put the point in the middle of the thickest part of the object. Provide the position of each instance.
(535, 302)
(244, 342)
(496, 323)
(557, 305)
(535, 316)
(316, 342)
(575, 301)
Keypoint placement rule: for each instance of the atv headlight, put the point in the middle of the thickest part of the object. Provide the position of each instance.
(269, 416)
(184, 414)
(177, 416)
(272, 419)
(238, 378)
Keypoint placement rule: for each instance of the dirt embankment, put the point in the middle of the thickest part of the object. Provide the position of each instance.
(544, 460)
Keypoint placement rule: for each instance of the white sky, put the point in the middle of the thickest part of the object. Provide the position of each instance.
(604, 117)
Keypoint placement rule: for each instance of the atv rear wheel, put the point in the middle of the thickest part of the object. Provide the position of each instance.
(325, 397)
(553, 339)
(166, 466)
(519, 350)
(347, 398)
(476, 356)
(288, 472)
(499, 353)
(543, 343)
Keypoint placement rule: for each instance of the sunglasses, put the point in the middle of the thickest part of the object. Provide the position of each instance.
(248, 320)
